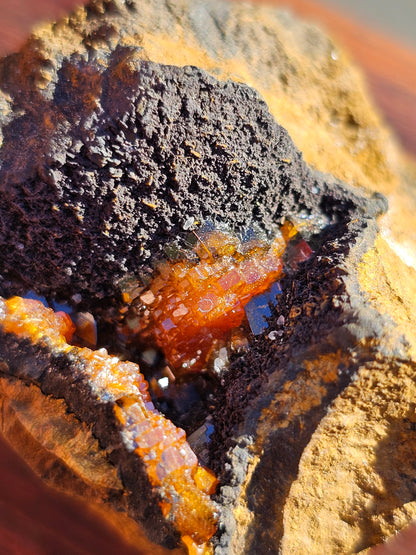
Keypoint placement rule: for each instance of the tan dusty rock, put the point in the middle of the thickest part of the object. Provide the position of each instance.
(391, 287)
(355, 486)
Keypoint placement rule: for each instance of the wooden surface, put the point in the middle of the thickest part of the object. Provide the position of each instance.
(35, 520)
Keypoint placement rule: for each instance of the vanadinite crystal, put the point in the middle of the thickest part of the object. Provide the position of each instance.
(192, 305)
(191, 310)
(172, 467)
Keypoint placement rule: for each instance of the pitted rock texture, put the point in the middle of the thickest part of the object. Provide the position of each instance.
(99, 178)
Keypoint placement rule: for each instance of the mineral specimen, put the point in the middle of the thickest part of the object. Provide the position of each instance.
(191, 305)
(171, 466)
(108, 154)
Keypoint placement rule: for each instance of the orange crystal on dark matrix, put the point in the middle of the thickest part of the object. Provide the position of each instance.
(171, 465)
(191, 306)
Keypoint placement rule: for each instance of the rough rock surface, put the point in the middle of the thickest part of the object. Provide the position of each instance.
(80, 153)
(112, 173)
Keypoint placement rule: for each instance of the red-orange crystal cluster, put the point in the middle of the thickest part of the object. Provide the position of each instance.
(184, 486)
(191, 306)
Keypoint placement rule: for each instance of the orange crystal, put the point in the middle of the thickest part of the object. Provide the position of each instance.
(190, 307)
(171, 465)
(30, 318)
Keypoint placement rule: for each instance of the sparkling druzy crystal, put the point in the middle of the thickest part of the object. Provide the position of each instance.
(191, 305)
(172, 467)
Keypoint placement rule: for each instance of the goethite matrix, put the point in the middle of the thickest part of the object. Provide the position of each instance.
(194, 304)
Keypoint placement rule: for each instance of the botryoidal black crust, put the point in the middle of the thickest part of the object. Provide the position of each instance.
(104, 168)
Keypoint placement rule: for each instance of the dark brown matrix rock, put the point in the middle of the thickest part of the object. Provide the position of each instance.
(105, 166)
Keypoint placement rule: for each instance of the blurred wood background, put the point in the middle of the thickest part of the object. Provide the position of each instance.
(35, 520)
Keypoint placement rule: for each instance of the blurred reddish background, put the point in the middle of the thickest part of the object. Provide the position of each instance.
(17, 17)
(35, 520)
